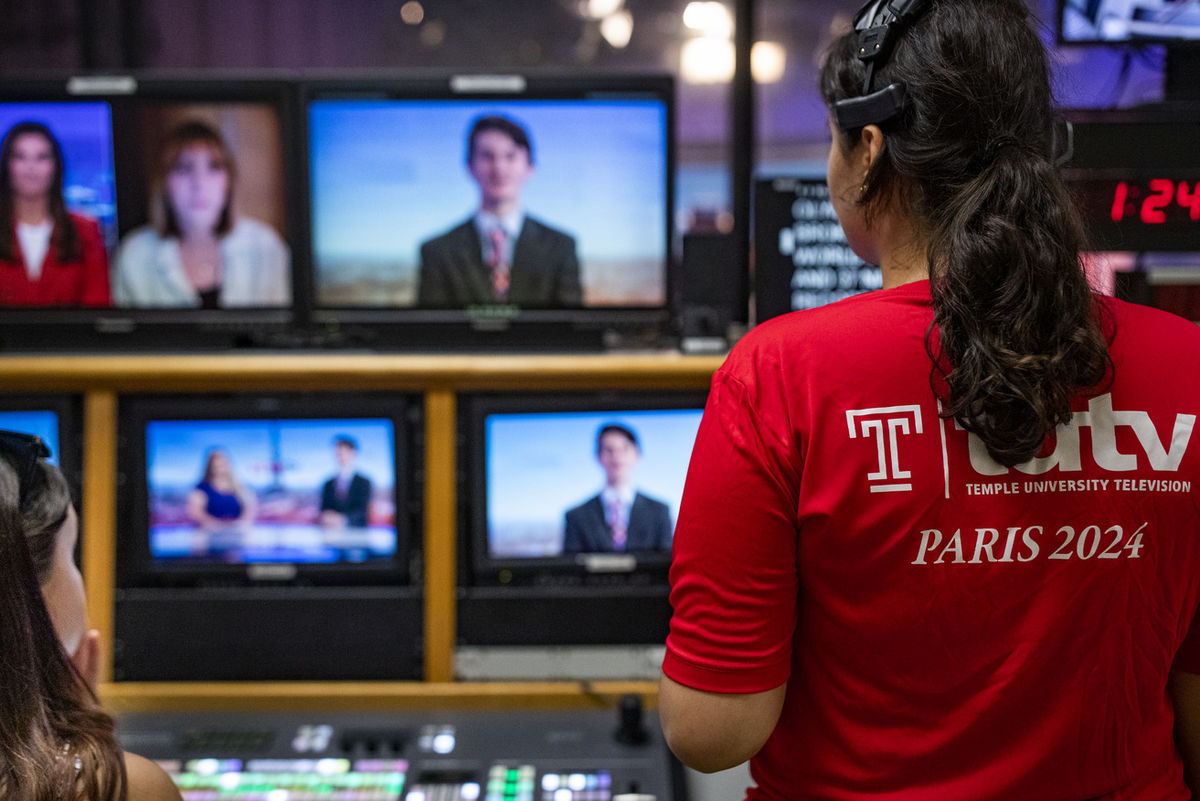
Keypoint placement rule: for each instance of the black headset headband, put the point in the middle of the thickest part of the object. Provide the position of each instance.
(878, 23)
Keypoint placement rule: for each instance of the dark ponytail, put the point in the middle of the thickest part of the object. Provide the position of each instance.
(969, 160)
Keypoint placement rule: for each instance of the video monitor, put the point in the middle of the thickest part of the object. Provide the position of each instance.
(56, 419)
(280, 489)
(446, 206)
(166, 213)
(801, 257)
(572, 502)
(1128, 21)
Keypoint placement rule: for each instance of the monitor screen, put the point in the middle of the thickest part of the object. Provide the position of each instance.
(82, 134)
(1128, 21)
(198, 175)
(277, 488)
(166, 213)
(39, 422)
(442, 202)
(56, 419)
(570, 484)
(569, 515)
(801, 257)
(242, 491)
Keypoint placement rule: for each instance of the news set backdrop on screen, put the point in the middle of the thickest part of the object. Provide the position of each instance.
(557, 481)
(312, 491)
(397, 184)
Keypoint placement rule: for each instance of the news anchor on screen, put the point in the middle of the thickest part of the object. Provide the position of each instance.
(219, 501)
(619, 518)
(48, 256)
(501, 254)
(198, 252)
(345, 498)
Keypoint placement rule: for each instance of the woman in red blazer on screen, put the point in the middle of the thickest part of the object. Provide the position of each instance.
(48, 256)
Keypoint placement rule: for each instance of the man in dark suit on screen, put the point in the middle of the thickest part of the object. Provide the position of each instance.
(501, 255)
(345, 498)
(619, 518)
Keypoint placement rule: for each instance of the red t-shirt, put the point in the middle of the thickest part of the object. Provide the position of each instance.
(81, 282)
(947, 628)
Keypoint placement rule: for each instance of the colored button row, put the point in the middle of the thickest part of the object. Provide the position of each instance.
(265, 782)
(370, 794)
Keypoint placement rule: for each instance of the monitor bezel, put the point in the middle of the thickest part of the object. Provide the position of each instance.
(492, 328)
(136, 566)
(130, 329)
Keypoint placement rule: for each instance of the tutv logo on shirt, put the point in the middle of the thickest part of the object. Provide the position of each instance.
(1103, 422)
(891, 429)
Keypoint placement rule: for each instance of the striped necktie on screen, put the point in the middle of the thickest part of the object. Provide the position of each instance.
(498, 264)
(616, 521)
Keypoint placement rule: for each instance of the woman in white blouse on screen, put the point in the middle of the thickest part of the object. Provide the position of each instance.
(197, 252)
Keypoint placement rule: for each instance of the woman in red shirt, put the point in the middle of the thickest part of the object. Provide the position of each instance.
(938, 542)
(48, 256)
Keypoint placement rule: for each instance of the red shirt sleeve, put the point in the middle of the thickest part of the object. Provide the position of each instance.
(734, 578)
(95, 289)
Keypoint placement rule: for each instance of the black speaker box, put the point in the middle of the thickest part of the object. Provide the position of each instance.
(267, 634)
(713, 287)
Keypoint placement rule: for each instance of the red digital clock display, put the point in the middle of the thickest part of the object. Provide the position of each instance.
(1152, 201)
(1139, 211)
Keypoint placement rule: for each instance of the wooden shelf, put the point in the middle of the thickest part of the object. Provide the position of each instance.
(127, 697)
(338, 371)
(440, 379)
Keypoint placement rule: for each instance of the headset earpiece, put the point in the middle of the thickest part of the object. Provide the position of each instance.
(879, 23)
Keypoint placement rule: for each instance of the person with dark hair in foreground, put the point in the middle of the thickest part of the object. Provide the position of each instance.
(500, 255)
(939, 541)
(619, 518)
(55, 741)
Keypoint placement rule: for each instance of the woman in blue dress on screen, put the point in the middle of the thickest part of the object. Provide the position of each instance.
(197, 252)
(219, 501)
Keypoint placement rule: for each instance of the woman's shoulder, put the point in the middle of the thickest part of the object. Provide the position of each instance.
(83, 221)
(248, 229)
(146, 781)
(1135, 320)
(141, 238)
(83, 224)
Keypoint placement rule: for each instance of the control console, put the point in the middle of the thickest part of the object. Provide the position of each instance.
(576, 755)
